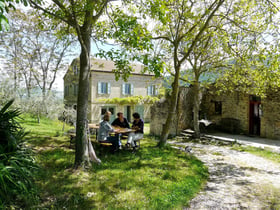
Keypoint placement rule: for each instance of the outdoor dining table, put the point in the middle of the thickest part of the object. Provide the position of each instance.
(123, 130)
(118, 130)
(93, 126)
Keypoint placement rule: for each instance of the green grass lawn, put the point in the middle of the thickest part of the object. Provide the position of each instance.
(152, 178)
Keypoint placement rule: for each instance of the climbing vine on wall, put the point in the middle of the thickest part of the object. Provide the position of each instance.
(133, 100)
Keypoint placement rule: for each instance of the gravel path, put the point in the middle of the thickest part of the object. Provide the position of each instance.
(238, 180)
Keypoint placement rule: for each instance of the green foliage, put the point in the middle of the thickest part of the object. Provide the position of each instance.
(133, 100)
(17, 165)
(135, 41)
(5, 6)
(152, 178)
(9, 135)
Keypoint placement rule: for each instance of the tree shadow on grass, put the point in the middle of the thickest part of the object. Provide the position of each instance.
(45, 142)
(62, 187)
(57, 181)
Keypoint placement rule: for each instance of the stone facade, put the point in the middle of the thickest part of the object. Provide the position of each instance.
(183, 118)
(233, 112)
(270, 120)
(103, 85)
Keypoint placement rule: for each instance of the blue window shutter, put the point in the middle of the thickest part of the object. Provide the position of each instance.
(157, 89)
(99, 88)
(149, 90)
(123, 88)
(108, 88)
(131, 89)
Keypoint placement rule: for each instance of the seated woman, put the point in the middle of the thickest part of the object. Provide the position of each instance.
(138, 126)
(104, 133)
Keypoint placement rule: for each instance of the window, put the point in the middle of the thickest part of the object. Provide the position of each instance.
(152, 90)
(127, 89)
(75, 69)
(218, 107)
(104, 109)
(66, 90)
(104, 88)
(75, 89)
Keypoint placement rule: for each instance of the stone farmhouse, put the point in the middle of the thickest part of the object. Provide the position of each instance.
(233, 112)
(104, 86)
(244, 113)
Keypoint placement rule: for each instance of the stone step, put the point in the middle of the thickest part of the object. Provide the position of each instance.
(187, 131)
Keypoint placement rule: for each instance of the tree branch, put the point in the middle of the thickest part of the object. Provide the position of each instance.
(37, 6)
(95, 17)
(202, 30)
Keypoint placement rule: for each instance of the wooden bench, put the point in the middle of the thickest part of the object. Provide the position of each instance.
(104, 143)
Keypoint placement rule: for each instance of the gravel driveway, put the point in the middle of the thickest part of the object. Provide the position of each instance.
(238, 180)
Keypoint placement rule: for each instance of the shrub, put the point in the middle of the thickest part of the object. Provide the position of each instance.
(16, 162)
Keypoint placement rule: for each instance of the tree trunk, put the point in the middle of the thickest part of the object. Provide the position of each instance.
(171, 108)
(84, 149)
(196, 104)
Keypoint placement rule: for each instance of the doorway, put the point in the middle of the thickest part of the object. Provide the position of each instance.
(254, 115)
(127, 113)
(111, 109)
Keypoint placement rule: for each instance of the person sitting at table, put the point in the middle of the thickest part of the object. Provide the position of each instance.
(138, 126)
(104, 133)
(121, 121)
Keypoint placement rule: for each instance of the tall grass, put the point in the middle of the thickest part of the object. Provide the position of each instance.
(152, 178)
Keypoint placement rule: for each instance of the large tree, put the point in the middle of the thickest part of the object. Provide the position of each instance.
(227, 44)
(184, 28)
(179, 25)
(82, 16)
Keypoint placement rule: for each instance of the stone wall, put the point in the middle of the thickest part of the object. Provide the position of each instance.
(181, 120)
(234, 115)
(158, 116)
(270, 119)
(235, 109)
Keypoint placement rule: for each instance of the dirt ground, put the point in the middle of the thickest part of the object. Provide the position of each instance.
(238, 180)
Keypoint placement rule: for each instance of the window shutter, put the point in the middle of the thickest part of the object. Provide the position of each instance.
(157, 89)
(108, 88)
(123, 88)
(131, 89)
(99, 88)
(149, 90)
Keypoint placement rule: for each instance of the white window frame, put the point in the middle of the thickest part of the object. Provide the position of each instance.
(127, 89)
(104, 88)
(152, 90)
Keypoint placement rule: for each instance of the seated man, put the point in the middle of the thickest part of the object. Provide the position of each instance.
(121, 121)
(104, 133)
(138, 126)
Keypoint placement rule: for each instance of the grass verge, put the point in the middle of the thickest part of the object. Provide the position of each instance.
(152, 178)
(265, 153)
